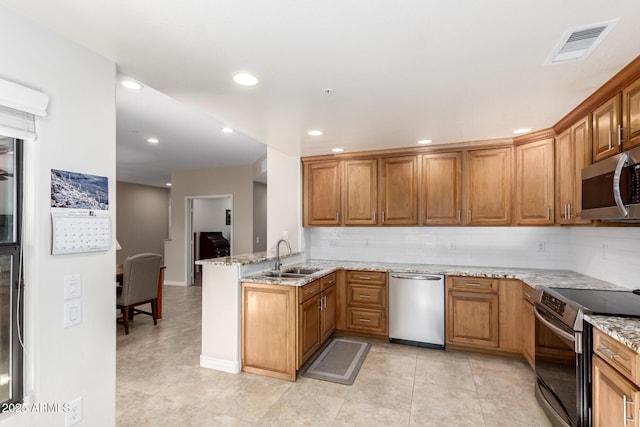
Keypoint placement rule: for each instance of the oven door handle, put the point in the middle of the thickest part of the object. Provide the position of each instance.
(624, 158)
(554, 328)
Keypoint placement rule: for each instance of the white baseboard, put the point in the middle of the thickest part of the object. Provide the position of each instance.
(174, 283)
(230, 366)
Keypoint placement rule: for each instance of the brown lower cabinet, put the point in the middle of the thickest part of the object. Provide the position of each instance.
(282, 326)
(616, 379)
(484, 314)
(366, 302)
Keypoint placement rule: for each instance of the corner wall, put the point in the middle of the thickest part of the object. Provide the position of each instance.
(78, 134)
(284, 198)
(142, 219)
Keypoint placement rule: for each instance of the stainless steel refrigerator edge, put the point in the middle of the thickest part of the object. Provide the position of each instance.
(416, 309)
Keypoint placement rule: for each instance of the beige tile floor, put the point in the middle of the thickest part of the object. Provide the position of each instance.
(160, 383)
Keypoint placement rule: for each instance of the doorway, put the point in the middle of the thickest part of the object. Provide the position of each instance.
(206, 214)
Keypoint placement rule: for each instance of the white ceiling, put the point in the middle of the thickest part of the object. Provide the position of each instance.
(400, 70)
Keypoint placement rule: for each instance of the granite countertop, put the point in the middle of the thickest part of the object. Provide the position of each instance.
(533, 277)
(246, 259)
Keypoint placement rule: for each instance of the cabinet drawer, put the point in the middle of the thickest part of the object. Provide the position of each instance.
(473, 284)
(370, 295)
(328, 281)
(527, 293)
(618, 355)
(307, 291)
(373, 277)
(367, 320)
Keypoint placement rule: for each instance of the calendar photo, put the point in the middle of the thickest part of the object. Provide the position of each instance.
(74, 190)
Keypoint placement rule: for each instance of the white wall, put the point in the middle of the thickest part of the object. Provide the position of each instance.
(259, 217)
(283, 199)
(209, 215)
(607, 253)
(77, 135)
(481, 246)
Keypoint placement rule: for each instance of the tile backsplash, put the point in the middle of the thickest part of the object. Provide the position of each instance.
(607, 253)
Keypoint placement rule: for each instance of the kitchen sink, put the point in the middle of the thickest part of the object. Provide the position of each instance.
(292, 273)
(302, 270)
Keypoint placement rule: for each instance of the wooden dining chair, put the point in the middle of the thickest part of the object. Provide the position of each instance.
(139, 286)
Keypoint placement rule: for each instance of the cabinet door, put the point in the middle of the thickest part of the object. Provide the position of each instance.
(442, 188)
(631, 115)
(361, 192)
(565, 176)
(534, 183)
(581, 140)
(269, 330)
(510, 315)
(528, 333)
(399, 190)
(322, 193)
(605, 129)
(472, 319)
(328, 320)
(615, 399)
(489, 186)
(309, 322)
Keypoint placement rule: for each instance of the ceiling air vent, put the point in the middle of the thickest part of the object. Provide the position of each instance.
(577, 43)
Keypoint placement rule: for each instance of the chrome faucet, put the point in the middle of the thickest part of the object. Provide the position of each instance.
(278, 263)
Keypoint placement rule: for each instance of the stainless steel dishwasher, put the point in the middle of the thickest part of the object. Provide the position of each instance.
(416, 309)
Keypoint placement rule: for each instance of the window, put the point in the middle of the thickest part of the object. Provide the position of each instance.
(10, 270)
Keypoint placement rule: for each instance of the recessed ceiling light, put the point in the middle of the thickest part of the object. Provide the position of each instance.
(245, 79)
(153, 140)
(315, 132)
(168, 184)
(131, 84)
(337, 150)
(227, 130)
(425, 141)
(523, 130)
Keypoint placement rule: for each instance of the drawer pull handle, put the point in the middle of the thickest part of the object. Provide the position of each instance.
(473, 284)
(310, 291)
(528, 295)
(364, 277)
(605, 350)
(365, 296)
(365, 320)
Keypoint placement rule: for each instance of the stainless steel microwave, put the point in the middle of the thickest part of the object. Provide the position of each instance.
(611, 190)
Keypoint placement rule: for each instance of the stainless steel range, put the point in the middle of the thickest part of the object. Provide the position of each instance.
(564, 347)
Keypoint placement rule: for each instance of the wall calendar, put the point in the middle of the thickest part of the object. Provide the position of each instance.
(79, 213)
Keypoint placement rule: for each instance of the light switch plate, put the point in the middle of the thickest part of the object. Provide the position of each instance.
(72, 313)
(72, 286)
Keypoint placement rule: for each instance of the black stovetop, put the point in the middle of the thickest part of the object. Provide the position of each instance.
(609, 302)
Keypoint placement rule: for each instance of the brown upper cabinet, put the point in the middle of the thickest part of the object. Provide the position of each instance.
(442, 188)
(534, 192)
(606, 129)
(360, 192)
(399, 190)
(322, 193)
(573, 152)
(631, 115)
(488, 186)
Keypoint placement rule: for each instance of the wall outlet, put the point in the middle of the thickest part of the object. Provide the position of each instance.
(452, 244)
(285, 235)
(540, 246)
(366, 243)
(605, 251)
(73, 414)
(258, 239)
(333, 243)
